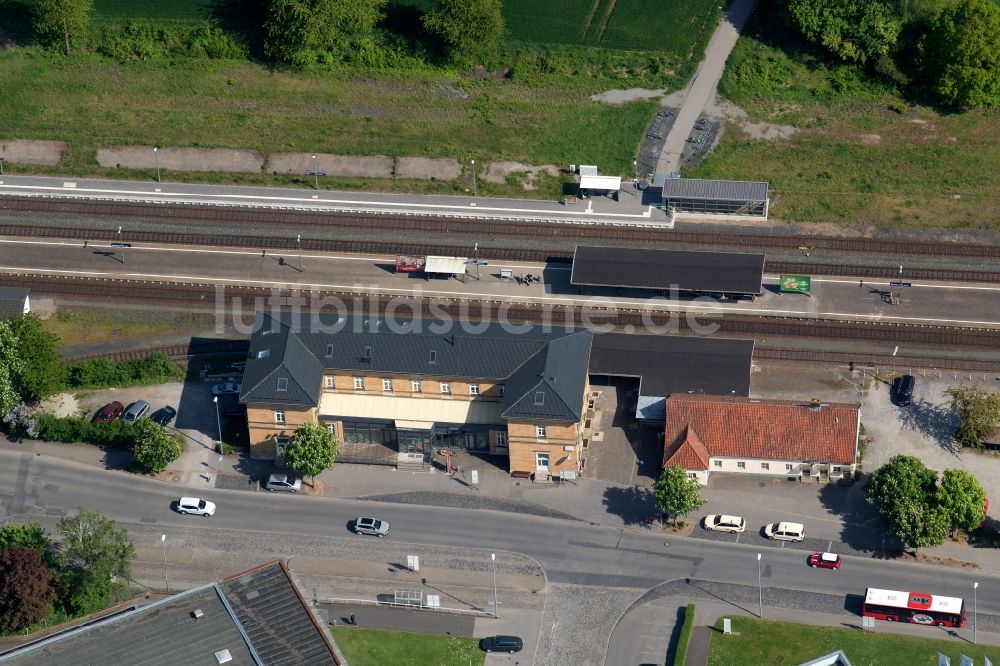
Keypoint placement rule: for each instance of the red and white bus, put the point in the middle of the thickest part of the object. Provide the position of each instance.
(915, 607)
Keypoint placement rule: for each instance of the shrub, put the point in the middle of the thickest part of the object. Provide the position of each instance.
(102, 373)
(71, 429)
(685, 636)
(899, 108)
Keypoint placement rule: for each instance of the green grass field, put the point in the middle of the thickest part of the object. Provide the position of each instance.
(856, 157)
(785, 643)
(372, 647)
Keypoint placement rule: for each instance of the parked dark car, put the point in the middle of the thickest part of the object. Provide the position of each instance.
(163, 416)
(902, 390)
(510, 644)
(109, 412)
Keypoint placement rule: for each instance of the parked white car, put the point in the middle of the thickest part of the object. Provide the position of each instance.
(785, 531)
(724, 523)
(195, 505)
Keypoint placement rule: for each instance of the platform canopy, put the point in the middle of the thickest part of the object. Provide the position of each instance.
(709, 272)
(600, 183)
(452, 265)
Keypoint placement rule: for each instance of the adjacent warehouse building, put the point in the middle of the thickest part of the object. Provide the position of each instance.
(720, 273)
(715, 197)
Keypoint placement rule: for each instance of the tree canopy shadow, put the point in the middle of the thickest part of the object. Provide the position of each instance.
(863, 528)
(933, 421)
(15, 26)
(243, 18)
(632, 504)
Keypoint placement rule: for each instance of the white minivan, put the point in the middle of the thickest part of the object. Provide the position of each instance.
(785, 531)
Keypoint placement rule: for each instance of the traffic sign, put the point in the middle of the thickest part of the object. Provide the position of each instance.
(474, 262)
(900, 284)
(315, 173)
(121, 245)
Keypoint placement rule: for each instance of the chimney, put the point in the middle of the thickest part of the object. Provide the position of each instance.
(815, 405)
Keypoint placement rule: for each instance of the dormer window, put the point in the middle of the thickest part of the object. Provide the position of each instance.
(539, 397)
(329, 351)
(282, 383)
(368, 352)
(267, 332)
(434, 356)
(263, 353)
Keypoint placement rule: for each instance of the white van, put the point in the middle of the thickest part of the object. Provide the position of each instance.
(785, 531)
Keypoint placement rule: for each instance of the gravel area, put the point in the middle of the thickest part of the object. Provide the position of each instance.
(23, 151)
(181, 159)
(577, 623)
(429, 498)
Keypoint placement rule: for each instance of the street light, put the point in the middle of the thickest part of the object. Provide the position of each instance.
(975, 610)
(496, 604)
(474, 193)
(760, 592)
(218, 421)
(315, 172)
(163, 542)
(120, 243)
(1, 165)
(156, 156)
(298, 239)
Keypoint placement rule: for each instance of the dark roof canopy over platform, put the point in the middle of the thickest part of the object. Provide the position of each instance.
(675, 364)
(723, 190)
(718, 272)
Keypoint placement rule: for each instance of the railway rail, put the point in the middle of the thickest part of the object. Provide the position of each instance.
(538, 253)
(207, 297)
(485, 227)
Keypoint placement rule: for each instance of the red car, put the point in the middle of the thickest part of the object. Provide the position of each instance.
(109, 412)
(825, 560)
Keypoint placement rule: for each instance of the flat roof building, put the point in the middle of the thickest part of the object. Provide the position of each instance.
(715, 197)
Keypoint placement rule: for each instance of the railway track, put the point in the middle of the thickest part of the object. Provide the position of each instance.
(483, 227)
(538, 253)
(248, 299)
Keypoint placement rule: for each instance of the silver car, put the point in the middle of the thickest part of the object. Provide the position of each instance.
(283, 483)
(374, 526)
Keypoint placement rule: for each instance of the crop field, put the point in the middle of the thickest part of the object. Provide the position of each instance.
(673, 26)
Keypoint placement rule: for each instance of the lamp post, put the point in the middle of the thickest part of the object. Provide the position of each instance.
(163, 542)
(315, 172)
(298, 240)
(121, 244)
(760, 592)
(975, 610)
(496, 603)
(218, 421)
(474, 192)
(1, 165)
(156, 156)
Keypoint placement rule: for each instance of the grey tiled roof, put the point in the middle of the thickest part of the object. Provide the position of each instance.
(490, 352)
(274, 616)
(274, 627)
(549, 386)
(12, 301)
(724, 190)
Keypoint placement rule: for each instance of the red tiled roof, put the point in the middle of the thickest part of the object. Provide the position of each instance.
(736, 427)
(691, 453)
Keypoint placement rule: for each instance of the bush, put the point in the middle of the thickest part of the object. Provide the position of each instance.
(102, 373)
(138, 40)
(685, 637)
(71, 429)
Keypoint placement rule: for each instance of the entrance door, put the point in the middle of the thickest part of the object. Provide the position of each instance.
(542, 462)
(279, 451)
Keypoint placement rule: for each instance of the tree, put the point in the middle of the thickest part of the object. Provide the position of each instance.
(152, 447)
(959, 55)
(26, 592)
(299, 32)
(903, 490)
(93, 544)
(29, 535)
(31, 357)
(677, 493)
(62, 19)
(979, 410)
(467, 26)
(962, 499)
(313, 450)
(853, 30)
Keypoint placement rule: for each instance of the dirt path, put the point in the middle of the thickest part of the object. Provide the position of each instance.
(702, 87)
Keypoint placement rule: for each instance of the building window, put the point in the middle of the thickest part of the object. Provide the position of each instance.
(415, 386)
(473, 389)
(359, 383)
(501, 438)
(434, 356)
(541, 432)
(741, 465)
(500, 388)
(329, 351)
(836, 469)
(540, 397)
(329, 382)
(263, 353)
(368, 352)
(693, 475)
(279, 416)
(788, 467)
(717, 463)
(331, 428)
(282, 383)
(387, 385)
(446, 387)
(765, 466)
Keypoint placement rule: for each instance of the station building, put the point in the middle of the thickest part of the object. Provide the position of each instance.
(393, 390)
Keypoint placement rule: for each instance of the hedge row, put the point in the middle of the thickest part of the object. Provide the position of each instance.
(71, 429)
(102, 373)
(685, 638)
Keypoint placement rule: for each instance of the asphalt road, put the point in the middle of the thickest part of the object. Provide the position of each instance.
(570, 552)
